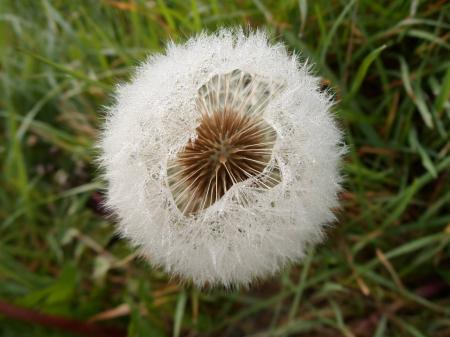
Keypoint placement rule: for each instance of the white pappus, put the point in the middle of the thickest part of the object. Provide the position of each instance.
(222, 158)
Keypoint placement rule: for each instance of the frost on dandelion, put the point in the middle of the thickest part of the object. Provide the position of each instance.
(222, 158)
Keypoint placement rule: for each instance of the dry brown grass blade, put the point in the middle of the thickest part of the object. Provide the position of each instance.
(58, 322)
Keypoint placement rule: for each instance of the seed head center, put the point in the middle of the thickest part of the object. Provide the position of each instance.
(233, 142)
(230, 147)
(223, 152)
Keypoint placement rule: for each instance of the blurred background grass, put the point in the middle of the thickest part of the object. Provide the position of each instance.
(384, 270)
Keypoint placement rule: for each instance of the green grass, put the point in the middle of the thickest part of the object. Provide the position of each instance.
(383, 270)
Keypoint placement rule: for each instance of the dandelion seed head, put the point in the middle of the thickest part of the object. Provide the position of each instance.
(222, 158)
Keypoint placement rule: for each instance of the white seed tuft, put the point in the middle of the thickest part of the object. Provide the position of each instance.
(222, 159)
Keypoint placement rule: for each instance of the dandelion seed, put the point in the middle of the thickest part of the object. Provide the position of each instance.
(222, 158)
